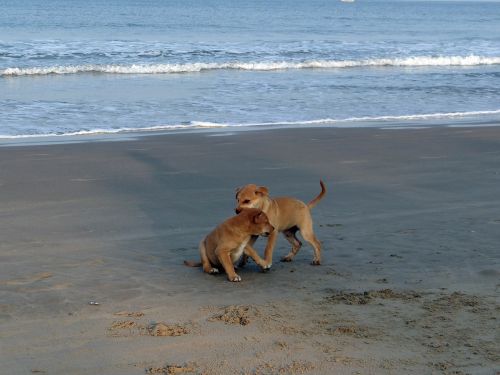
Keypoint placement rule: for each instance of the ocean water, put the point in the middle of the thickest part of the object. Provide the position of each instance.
(77, 67)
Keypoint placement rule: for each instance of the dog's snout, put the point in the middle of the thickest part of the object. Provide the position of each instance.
(237, 210)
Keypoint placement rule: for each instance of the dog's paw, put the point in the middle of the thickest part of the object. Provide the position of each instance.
(316, 262)
(214, 271)
(236, 279)
(266, 266)
(287, 258)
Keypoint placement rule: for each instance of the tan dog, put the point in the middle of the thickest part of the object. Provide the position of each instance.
(287, 215)
(227, 242)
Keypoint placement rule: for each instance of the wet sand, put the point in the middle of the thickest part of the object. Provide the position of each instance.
(409, 283)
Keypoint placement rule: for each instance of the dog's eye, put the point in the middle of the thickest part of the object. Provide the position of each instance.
(246, 201)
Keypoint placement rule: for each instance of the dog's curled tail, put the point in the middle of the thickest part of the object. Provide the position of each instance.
(316, 200)
(192, 263)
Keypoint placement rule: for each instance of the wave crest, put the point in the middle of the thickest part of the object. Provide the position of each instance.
(416, 61)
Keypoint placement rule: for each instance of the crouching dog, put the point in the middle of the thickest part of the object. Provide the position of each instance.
(225, 245)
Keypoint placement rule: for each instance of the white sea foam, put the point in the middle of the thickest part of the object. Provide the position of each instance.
(417, 61)
(371, 119)
(367, 121)
(156, 128)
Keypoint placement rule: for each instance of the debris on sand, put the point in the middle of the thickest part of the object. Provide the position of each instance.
(123, 324)
(162, 329)
(171, 369)
(234, 314)
(133, 328)
(130, 314)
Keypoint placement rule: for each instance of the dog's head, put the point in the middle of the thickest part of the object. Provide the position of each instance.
(258, 222)
(250, 196)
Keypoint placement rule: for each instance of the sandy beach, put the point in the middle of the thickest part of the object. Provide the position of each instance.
(93, 238)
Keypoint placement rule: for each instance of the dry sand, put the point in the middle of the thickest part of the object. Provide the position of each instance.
(93, 237)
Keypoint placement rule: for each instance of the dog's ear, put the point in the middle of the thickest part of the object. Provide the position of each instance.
(260, 218)
(236, 192)
(262, 190)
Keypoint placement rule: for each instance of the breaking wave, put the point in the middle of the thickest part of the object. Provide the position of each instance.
(418, 61)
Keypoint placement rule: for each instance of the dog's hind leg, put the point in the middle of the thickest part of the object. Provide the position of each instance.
(290, 235)
(207, 266)
(308, 234)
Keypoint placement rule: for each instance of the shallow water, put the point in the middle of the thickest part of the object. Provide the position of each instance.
(84, 67)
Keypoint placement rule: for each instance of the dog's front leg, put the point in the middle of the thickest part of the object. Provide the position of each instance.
(250, 251)
(268, 252)
(244, 259)
(223, 254)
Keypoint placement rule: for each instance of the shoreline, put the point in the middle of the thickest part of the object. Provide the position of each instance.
(227, 129)
(409, 228)
(129, 135)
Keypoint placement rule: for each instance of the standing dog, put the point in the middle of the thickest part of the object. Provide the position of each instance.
(227, 242)
(287, 215)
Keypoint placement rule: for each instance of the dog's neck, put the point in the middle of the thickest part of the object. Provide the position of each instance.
(267, 204)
